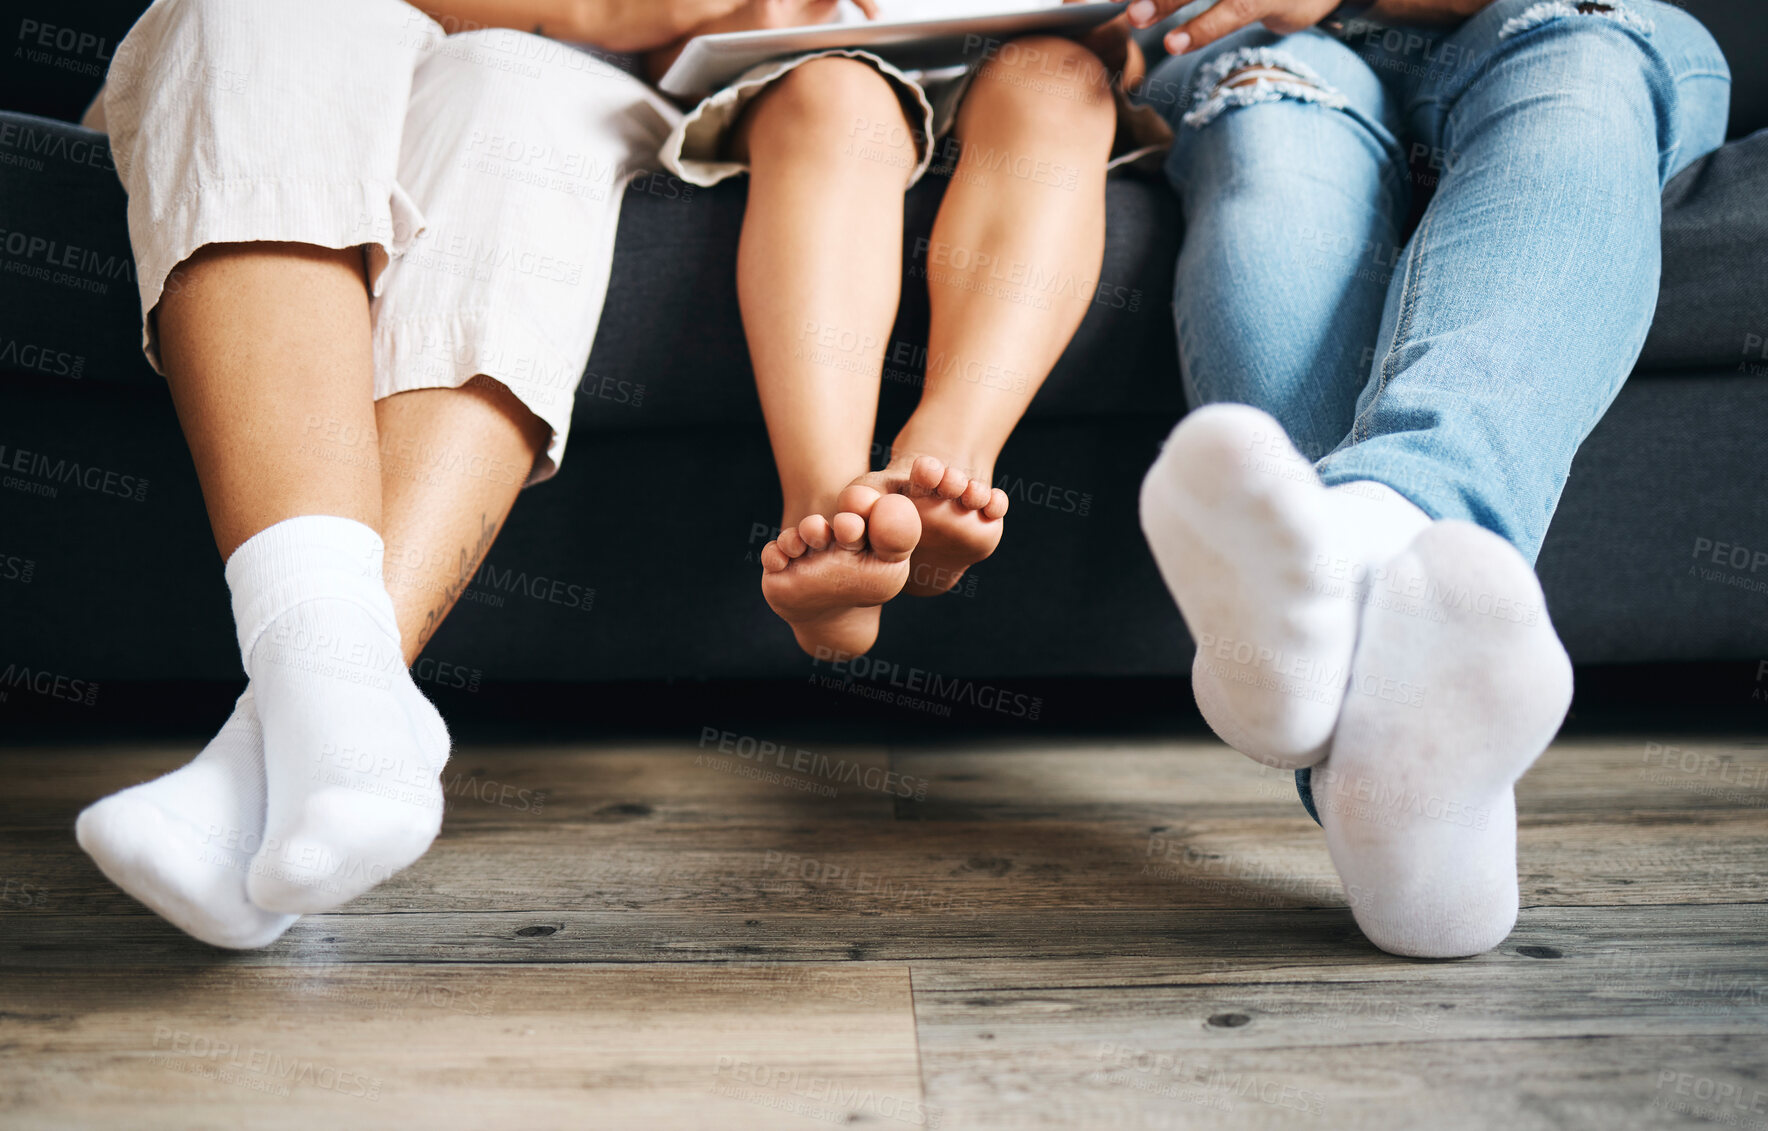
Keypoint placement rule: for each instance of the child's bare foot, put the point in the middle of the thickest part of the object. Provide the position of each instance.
(827, 577)
(960, 518)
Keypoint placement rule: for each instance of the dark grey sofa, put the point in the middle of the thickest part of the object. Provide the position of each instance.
(1659, 551)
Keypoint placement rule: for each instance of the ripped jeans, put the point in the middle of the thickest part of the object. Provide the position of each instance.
(1463, 363)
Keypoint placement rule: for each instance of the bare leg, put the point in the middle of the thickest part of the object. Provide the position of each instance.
(268, 351)
(818, 275)
(452, 463)
(266, 345)
(1011, 268)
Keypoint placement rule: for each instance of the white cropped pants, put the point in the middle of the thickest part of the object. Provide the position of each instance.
(482, 173)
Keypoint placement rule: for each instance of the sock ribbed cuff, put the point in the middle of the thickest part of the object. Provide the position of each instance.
(302, 559)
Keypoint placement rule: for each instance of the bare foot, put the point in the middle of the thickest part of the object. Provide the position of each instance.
(827, 577)
(960, 518)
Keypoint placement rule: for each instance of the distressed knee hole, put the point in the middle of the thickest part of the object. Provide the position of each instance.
(1246, 76)
(1255, 74)
(1546, 12)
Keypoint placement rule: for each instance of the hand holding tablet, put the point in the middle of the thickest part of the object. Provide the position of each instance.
(713, 61)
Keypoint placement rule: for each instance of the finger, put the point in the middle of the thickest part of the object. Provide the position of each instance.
(1229, 16)
(1147, 13)
(1223, 18)
(869, 7)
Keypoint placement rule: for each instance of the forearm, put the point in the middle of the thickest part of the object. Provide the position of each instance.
(618, 25)
(547, 17)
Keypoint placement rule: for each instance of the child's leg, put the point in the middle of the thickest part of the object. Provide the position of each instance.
(1011, 267)
(818, 275)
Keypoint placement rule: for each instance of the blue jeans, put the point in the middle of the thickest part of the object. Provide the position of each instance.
(1461, 364)
(1464, 363)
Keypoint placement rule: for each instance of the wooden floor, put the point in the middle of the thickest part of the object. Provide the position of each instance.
(1115, 934)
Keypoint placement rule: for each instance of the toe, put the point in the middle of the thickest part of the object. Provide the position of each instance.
(894, 529)
(774, 559)
(815, 532)
(925, 474)
(953, 483)
(997, 504)
(976, 495)
(791, 543)
(858, 498)
(850, 530)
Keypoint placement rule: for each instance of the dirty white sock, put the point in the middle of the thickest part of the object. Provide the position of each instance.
(1269, 568)
(352, 749)
(182, 843)
(1458, 685)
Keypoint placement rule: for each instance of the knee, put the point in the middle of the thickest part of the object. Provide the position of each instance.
(1058, 81)
(831, 98)
(1598, 56)
(1592, 45)
(1514, 17)
(1247, 76)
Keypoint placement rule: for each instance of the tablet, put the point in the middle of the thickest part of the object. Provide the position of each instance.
(711, 62)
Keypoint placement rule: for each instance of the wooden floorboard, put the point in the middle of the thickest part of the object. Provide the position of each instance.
(1060, 934)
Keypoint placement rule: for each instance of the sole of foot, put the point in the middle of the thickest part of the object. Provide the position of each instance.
(826, 578)
(1453, 695)
(960, 520)
(1247, 539)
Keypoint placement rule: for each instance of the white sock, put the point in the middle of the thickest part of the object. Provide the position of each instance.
(1458, 685)
(352, 749)
(182, 844)
(1269, 568)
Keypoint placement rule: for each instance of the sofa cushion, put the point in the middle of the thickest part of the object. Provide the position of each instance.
(69, 307)
(1713, 301)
